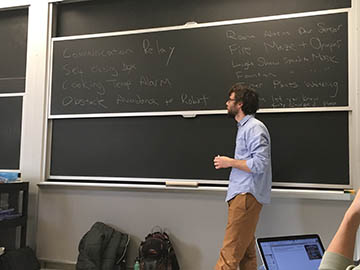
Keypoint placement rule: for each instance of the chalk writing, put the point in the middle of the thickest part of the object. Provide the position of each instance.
(263, 62)
(137, 100)
(84, 84)
(318, 44)
(280, 47)
(120, 84)
(240, 50)
(271, 34)
(295, 62)
(194, 100)
(323, 29)
(324, 58)
(303, 30)
(324, 84)
(105, 69)
(245, 65)
(240, 74)
(96, 101)
(149, 82)
(230, 34)
(282, 84)
(68, 53)
(150, 49)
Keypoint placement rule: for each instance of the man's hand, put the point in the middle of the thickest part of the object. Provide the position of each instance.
(353, 212)
(221, 162)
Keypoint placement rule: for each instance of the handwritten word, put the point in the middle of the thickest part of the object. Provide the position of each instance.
(317, 44)
(322, 29)
(146, 81)
(239, 49)
(324, 84)
(67, 53)
(253, 85)
(69, 100)
(230, 34)
(72, 70)
(112, 70)
(262, 62)
(138, 100)
(329, 103)
(269, 33)
(297, 60)
(193, 100)
(279, 47)
(245, 65)
(277, 102)
(120, 84)
(105, 69)
(239, 75)
(281, 84)
(291, 102)
(324, 58)
(302, 101)
(84, 84)
(149, 49)
(302, 30)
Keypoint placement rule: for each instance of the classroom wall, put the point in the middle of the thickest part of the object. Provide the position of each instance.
(195, 220)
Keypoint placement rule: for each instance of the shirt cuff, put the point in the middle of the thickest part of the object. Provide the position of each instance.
(250, 163)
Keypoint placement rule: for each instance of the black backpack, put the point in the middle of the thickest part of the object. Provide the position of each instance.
(157, 253)
(19, 259)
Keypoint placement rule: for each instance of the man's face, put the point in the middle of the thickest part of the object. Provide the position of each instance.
(232, 107)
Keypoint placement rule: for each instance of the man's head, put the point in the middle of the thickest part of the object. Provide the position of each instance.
(242, 98)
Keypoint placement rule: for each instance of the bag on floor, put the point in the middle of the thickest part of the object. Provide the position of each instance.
(19, 259)
(157, 252)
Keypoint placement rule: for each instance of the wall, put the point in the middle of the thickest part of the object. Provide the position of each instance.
(195, 220)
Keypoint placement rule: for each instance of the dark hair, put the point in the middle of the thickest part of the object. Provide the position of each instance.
(248, 97)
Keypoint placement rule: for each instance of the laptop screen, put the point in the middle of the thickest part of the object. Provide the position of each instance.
(299, 252)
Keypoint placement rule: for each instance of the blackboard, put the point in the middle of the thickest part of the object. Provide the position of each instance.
(310, 147)
(298, 62)
(13, 34)
(88, 17)
(10, 132)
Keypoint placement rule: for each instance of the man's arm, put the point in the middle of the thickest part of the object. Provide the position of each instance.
(259, 147)
(221, 162)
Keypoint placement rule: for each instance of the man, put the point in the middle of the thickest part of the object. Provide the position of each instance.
(249, 182)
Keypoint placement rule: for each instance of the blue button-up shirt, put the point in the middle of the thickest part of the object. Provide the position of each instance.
(252, 145)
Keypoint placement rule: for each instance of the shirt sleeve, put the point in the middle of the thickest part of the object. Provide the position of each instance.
(259, 147)
(335, 261)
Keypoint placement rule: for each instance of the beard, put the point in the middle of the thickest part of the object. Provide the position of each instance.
(232, 112)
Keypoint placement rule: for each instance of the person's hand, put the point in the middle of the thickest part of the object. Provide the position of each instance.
(221, 162)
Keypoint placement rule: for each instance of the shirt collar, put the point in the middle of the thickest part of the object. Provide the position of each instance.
(244, 120)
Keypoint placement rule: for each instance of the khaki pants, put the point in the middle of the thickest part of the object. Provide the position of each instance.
(238, 248)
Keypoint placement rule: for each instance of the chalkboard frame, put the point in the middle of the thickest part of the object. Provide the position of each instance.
(187, 113)
(148, 181)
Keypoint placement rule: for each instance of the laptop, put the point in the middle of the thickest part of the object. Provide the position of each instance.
(296, 252)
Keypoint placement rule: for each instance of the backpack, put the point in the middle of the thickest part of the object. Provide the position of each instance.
(19, 259)
(157, 253)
